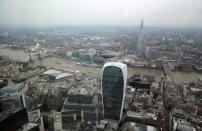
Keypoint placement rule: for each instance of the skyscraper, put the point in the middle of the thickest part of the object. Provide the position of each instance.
(113, 83)
(140, 44)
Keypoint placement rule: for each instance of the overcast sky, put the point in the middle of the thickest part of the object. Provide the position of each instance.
(169, 13)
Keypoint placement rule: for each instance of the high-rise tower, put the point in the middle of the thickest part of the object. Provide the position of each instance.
(140, 44)
(113, 83)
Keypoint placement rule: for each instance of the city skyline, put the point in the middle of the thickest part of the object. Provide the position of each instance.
(78, 78)
(100, 65)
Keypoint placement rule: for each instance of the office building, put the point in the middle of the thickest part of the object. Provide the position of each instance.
(114, 78)
(80, 104)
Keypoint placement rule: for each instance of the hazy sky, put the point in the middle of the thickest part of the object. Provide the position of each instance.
(177, 13)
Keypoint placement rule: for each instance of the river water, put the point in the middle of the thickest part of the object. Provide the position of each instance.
(59, 63)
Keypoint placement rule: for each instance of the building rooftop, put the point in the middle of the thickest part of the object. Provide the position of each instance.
(82, 90)
(118, 64)
(52, 71)
(183, 127)
(57, 116)
(132, 126)
(34, 116)
(12, 88)
(57, 74)
(29, 126)
(142, 115)
(63, 75)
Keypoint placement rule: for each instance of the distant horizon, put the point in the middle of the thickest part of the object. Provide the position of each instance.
(156, 13)
(95, 25)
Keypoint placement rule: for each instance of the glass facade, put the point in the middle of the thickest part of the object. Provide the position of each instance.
(112, 90)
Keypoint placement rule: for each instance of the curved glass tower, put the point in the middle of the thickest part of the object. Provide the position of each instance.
(114, 78)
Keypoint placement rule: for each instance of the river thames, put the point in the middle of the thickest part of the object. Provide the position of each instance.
(71, 65)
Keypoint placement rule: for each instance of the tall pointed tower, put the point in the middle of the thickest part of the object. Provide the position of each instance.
(140, 44)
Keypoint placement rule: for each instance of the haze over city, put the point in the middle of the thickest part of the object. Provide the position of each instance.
(163, 13)
(101, 65)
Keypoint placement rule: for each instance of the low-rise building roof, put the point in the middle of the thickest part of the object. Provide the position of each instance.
(12, 88)
(57, 74)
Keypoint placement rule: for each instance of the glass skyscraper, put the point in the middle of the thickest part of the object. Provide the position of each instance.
(114, 78)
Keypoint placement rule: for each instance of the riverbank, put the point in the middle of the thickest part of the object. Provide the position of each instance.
(71, 65)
